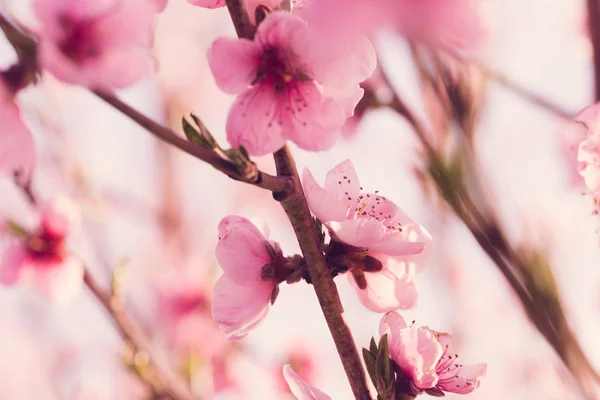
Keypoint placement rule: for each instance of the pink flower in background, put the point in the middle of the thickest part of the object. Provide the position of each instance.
(301, 389)
(42, 256)
(160, 5)
(102, 44)
(17, 152)
(427, 358)
(370, 221)
(288, 86)
(184, 311)
(207, 3)
(241, 297)
(453, 23)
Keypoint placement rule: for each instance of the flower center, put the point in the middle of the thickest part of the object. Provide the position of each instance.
(276, 68)
(80, 42)
(43, 246)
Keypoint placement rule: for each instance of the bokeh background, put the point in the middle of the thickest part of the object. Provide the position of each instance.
(152, 211)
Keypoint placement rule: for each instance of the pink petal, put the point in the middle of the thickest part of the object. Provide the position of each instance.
(12, 263)
(417, 354)
(315, 121)
(322, 204)
(239, 308)
(58, 281)
(468, 379)
(342, 182)
(396, 244)
(251, 121)
(208, 3)
(301, 389)
(17, 152)
(387, 291)
(360, 232)
(57, 217)
(241, 251)
(234, 63)
(281, 30)
(589, 162)
(391, 324)
(160, 5)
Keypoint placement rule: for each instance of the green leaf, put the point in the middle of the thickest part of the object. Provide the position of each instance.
(194, 135)
(373, 347)
(370, 364)
(16, 230)
(384, 367)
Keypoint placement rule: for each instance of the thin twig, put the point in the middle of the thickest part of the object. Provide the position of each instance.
(594, 29)
(241, 21)
(251, 175)
(170, 384)
(295, 205)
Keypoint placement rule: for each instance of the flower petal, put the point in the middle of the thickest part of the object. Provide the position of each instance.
(241, 251)
(11, 264)
(17, 152)
(233, 63)
(360, 232)
(59, 281)
(396, 244)
(239, 308)
(322, 204)
(252, 121)
(208, 3)
(468, 379)
(342, 182)
(417, 354)
(300, 388)
(391, 324)
(311, 120)
(387, 291)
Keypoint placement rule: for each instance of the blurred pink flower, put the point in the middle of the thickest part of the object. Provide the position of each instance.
(160, 5)
(427, 358)
(207, 3)
(42, 256)
(301, 389)
(288, 85)
(241, 297)
(184, 310)
(370, 221)
(588, 156)
(103, 44)
(454, 23)
(17, 152)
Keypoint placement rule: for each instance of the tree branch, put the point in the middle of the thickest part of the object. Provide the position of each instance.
(251, 174)
(295, 205)
(170, 384)
(594, 29)
(241, 21)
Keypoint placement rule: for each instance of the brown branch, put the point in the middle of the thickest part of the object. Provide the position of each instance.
(26, 46)
(516, 88)
(594, 30)
(170, 384)
(295, 205)
(542, 306)
(251, 174)
(241, 21)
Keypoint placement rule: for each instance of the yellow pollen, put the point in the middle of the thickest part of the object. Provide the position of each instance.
(287, 78)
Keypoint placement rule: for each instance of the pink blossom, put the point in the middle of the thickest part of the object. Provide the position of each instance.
(301, 389)
(588, 156)
(370, 221)
(17, 153)
(427, 358)
(208, 3)
(289, 85)
(454, 23)
(241, 297)
(160, 5)
(102, 44)
(42, 257)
